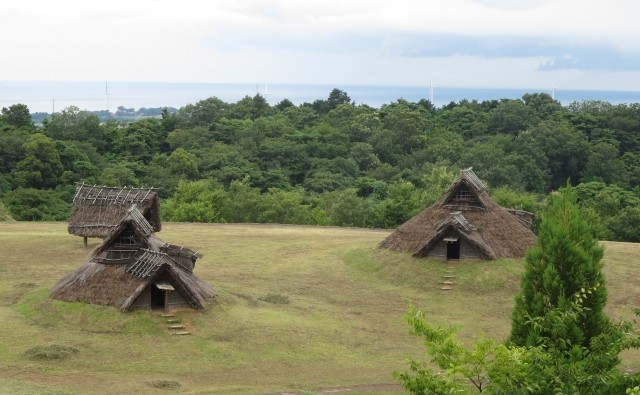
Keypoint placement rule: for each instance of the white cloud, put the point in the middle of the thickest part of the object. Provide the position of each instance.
(321, 41)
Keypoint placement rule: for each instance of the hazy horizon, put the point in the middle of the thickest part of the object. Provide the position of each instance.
(532, 44)
(49, 96)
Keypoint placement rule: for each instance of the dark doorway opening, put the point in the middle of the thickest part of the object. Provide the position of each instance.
(453, 249)
(157, 297)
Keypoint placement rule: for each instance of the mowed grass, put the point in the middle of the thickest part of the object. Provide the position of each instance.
(302, 310)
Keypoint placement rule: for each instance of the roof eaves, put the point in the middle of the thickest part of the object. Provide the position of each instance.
(147, 263)
(459, 221)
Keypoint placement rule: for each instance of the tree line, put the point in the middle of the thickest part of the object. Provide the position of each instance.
(331, 161)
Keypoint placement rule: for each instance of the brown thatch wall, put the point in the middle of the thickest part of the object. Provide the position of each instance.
(143, 302)
(184, 256)
(525, 217)
(111, 285)
(101, 284)
(97, 209)
(497, 230)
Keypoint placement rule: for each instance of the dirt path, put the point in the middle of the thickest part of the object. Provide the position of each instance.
(373, 388)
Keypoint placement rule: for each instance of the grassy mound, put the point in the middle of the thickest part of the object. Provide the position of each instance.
(42, 311)
(50, 352)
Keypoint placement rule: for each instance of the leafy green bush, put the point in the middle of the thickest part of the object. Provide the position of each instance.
(624, 225)
(29, 204)
(507, 197)
(4, 213)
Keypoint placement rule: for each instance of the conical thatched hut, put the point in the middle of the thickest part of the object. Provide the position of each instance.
(465, 224)
(134, 269)
(97, 210)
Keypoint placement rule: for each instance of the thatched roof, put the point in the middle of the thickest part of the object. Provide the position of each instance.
(128, 260)
(467, 211)
(97, 209)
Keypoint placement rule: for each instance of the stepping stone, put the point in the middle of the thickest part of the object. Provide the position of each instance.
(172, 321)
(176, 326)
(448, 276)
(446, 288)
(180, 333)
(167, 315)
(448, 282)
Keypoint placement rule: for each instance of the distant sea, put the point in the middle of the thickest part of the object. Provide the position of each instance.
(49, 96)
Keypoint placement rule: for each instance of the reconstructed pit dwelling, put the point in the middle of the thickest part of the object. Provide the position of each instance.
(465, 224)
(132, 268)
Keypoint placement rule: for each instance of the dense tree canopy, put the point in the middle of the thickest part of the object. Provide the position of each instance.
(324, 153)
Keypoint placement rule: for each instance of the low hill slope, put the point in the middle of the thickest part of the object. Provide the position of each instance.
(299, 309)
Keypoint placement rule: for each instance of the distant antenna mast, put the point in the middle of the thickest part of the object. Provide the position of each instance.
(266, 90)
(106, 94)
(553, 92)
(431, 86)
(53, 106)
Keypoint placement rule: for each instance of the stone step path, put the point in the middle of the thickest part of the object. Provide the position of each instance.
(180, 326)
(447, 282)
(175, 325)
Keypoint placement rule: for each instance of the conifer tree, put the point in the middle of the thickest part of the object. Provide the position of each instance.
(566, 262)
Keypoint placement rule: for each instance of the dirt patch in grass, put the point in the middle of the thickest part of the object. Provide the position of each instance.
(275, 298)
(165, 384)
(50, 352)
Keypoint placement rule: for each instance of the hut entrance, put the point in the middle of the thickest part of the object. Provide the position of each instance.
(453, 247)
(160, 295)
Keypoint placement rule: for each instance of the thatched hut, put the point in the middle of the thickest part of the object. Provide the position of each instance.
(465, 224)
(133, 269)
(97, 210)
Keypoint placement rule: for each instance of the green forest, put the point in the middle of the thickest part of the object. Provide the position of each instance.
(329, 162)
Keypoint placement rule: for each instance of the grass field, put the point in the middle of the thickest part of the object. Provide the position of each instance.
(300, 310)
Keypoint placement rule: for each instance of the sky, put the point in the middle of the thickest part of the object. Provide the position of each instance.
(539, 44)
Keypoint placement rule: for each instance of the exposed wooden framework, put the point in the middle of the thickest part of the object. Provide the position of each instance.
(97, 209)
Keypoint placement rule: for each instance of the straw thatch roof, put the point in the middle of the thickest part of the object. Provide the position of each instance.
(127, 263)
(97, 209)
(466, 214)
